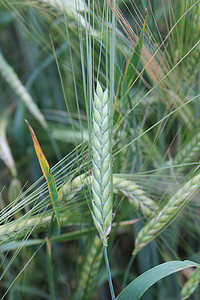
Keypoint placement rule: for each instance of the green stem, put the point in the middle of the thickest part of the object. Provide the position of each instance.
(50, 270)
(108, 273)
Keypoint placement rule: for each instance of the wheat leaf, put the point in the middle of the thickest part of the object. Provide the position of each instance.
(47, 174)
(141, 284)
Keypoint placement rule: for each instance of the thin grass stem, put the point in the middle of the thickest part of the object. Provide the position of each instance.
(109, 273)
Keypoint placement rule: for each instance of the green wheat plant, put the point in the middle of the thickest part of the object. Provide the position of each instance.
(111, 90)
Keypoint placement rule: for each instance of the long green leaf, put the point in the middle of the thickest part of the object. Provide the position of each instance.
(141, 284)
(47, 174)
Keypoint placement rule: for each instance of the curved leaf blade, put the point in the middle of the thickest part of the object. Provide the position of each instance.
(47, 174)
(141, 284)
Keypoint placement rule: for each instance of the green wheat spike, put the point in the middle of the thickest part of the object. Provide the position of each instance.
(191, 285)
(101, 175)
(189, 153)
(167, 214)
(90, 268)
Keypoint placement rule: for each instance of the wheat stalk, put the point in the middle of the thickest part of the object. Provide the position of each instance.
(191, 285)
(101, 169)
(167, 214)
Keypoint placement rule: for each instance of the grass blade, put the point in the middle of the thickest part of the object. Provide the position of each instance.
(47, 174)
(141, 284)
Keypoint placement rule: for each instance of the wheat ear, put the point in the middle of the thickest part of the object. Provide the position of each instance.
(72, 186)
(72, 9)
(191, 285)
(21, 226)
(128, 188)
(193, 65)
(167, 214)
(90, 268)
(17, 87)
(193, 61)
(189, 152)
(101, 170)
(136, 195)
